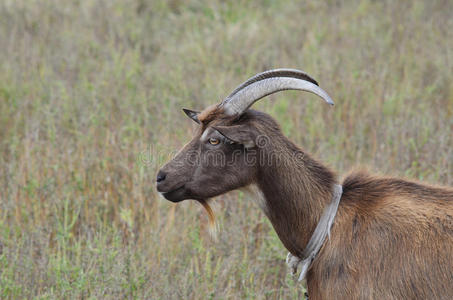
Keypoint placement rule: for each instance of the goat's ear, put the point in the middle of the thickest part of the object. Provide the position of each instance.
(241, 134)
(192, 114)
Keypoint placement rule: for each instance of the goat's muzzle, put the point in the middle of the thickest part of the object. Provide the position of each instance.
(173, 193)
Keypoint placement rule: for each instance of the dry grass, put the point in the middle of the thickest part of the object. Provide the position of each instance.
(90, 99)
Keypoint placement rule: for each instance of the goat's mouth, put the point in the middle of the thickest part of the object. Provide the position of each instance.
(176, 195)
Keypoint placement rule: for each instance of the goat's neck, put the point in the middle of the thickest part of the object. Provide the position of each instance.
(295, 194)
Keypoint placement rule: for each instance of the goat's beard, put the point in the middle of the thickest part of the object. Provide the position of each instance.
(212, 225)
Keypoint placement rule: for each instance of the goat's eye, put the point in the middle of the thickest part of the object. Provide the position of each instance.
(214, 141)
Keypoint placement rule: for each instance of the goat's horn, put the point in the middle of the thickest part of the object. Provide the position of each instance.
(269, 82)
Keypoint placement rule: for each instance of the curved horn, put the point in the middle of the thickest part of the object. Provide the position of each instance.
(269, 82)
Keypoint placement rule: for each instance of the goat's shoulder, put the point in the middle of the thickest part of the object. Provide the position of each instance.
(385, 227)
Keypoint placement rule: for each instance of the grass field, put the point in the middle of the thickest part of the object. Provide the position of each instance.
(90, 107)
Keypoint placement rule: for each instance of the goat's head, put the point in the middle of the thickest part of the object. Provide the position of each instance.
(223, 154)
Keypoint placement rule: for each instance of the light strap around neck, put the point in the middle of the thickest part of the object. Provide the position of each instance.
(321, 231)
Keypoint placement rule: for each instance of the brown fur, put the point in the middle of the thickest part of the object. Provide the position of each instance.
(391, 238)
(210, 114)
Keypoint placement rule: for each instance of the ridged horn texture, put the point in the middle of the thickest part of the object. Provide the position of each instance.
(269, 82)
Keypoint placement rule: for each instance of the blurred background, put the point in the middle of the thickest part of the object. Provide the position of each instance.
(90, 107)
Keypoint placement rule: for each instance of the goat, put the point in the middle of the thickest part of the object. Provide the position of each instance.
(391, 238)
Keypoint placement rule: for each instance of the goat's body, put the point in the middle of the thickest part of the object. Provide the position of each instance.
(392, 239)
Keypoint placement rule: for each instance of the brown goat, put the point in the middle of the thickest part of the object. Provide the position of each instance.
(391, 238)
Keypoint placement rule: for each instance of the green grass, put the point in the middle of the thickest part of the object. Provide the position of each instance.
(90, 107)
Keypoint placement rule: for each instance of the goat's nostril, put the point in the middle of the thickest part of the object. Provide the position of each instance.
(161, 176)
